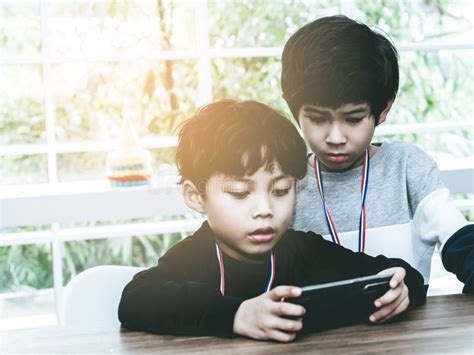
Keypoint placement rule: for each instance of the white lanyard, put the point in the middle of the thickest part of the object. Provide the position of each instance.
(363, 192)
(222, 271)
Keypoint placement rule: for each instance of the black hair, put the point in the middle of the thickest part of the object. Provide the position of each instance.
(236, 138)
(334, 61)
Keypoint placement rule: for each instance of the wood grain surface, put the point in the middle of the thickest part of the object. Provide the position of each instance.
(444, 325)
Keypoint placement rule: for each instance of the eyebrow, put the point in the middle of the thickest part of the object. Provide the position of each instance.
(247, 180)
(239, 179)
(312, 109)
(356, 110)
(281, 177)
(321, 111)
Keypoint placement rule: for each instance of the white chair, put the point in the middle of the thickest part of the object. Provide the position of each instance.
(92, 297)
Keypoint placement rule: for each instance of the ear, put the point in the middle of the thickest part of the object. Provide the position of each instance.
(384, 113)
(192, 197)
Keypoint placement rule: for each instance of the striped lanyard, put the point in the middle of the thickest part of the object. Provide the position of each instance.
(222, 272)
(363, 193)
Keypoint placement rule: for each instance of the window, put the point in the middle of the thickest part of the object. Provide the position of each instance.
(72, 70)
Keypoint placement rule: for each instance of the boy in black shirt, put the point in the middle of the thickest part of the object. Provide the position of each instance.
(239, 161)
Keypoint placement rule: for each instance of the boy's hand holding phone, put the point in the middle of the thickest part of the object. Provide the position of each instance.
(265, 317)
(395, 300)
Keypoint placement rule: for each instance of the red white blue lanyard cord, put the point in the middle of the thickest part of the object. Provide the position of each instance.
(363, 192)
(222, 271)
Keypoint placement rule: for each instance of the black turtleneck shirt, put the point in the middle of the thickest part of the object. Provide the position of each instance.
(181, 294)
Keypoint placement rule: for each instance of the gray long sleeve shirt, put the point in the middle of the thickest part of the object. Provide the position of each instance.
(408, 209)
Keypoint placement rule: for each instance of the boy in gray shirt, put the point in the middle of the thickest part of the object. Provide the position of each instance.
(340, 79)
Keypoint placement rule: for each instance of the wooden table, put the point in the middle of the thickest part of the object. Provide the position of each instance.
(444, 325)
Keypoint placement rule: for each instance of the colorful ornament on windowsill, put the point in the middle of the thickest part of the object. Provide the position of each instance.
(128, 164)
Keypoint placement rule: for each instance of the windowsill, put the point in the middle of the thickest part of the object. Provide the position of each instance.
(83, 187)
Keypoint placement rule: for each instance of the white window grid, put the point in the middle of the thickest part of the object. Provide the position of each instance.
(203, 54)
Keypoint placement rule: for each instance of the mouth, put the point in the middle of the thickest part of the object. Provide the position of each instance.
(337, 158)
(262, 235)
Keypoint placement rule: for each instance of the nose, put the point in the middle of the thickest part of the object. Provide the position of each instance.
(262, 207)
(336, 135)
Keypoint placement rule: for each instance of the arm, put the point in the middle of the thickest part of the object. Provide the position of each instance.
(159, 300)
(436, 218)
(458, 256)
(170, 299)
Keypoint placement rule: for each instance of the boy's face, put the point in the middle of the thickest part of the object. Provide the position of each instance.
(339, 136)
(249, 214)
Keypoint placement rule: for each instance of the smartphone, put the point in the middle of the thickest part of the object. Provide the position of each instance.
(341, 303)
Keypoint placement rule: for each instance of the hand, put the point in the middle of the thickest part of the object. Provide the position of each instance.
(395, 300)
(262, 317)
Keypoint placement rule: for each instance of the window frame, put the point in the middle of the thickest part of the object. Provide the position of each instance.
(203, 54)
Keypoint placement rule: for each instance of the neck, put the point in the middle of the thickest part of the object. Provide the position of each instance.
(240, 256)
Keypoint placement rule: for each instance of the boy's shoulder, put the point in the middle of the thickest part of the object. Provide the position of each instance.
(197, 245)
(399, 150)
(403, 155)
(405, 164)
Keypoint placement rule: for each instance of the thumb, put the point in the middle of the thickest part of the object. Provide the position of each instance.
(398, 274)
(397, 277)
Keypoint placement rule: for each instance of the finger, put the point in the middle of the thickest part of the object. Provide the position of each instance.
(398, 277)
(403, 301)
(384, 311)
(389, 296)
(287, 309)
(281, 336)
(288, 325)
(282, 324)
(399, 309)
(387, 309)
(284, 292)
(387, 272)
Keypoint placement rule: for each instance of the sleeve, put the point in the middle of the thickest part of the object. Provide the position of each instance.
(170, 299)
(437, 220)
(340, 263)
(435, 215)
(458, 256)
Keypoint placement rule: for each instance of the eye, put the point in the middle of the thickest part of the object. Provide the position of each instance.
(354, 120)
(281, 192)
(317, 120)
(240, 195)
